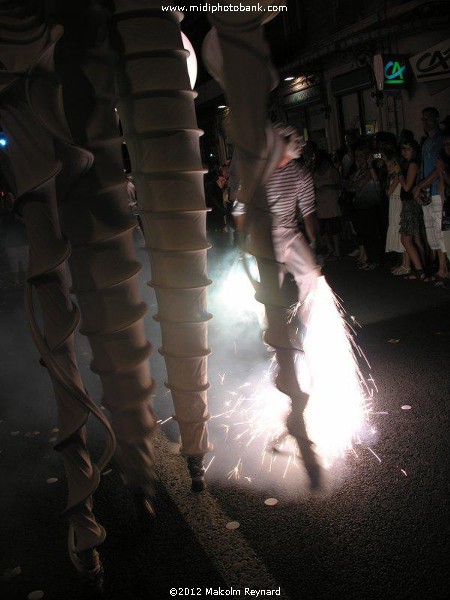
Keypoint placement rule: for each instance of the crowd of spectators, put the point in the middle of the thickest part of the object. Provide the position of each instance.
(386, 199)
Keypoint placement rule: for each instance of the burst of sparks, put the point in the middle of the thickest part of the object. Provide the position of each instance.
(236, 471)
(336, 416)
(339, 395)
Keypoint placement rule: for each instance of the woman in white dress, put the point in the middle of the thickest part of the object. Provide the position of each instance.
(393, 241)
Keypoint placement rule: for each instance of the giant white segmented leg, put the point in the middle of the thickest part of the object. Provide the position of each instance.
(157, 111)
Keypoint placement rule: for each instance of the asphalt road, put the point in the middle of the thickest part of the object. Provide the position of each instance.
(379, 528)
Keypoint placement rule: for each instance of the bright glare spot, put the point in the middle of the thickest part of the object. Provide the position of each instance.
(238, 292)
(289, 78)
(191, 61)
(329, 372)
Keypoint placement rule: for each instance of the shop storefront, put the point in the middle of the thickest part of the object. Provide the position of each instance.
(302, 106)
(356, 103)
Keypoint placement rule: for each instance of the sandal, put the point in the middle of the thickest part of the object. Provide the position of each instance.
(401, 271)
(417, 275)
(438, 280)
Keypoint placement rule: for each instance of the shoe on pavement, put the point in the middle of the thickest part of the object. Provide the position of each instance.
(197, 473)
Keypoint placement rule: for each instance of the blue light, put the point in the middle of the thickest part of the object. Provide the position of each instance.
(3, 141)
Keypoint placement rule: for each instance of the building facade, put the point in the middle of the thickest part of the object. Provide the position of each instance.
(369, 66)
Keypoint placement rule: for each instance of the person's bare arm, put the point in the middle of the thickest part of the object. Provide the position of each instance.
(312, 227)
(408, 182)
(394, 183)
(435, 174)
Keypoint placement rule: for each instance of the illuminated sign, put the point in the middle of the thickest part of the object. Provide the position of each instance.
(394, 73)
(433, 63)
(391, 71)
(307, 95)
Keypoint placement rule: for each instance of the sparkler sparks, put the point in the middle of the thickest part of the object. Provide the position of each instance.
(209, 464)
(339, 395)
(336, 415)
(374, 453)
(236, 471)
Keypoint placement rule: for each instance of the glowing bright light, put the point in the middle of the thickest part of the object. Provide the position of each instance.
(3, 142)
(221, 106)
(289, 78)
(237, 291)
(329, 372)
(191, 61)
(336, 416)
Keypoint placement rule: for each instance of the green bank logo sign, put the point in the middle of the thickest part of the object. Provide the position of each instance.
(433, 63)
(394, 73)
(391, 71)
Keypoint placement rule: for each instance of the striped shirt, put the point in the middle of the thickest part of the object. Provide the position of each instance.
(290, 195)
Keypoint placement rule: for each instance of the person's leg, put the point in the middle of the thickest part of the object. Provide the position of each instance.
(406, 262)
(366, 225)
(291, 249)
(418, 242)
(405, 266)
(442, 258)
(411, 252)
(437, 244)
(428, 222)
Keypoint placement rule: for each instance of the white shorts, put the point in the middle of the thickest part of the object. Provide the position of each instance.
(432, 218)
(292, 250)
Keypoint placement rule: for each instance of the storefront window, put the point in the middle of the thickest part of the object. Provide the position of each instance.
(317, 126)
(310, 122)
(350, 111)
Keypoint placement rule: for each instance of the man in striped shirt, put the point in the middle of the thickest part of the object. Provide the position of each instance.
(290, 197)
